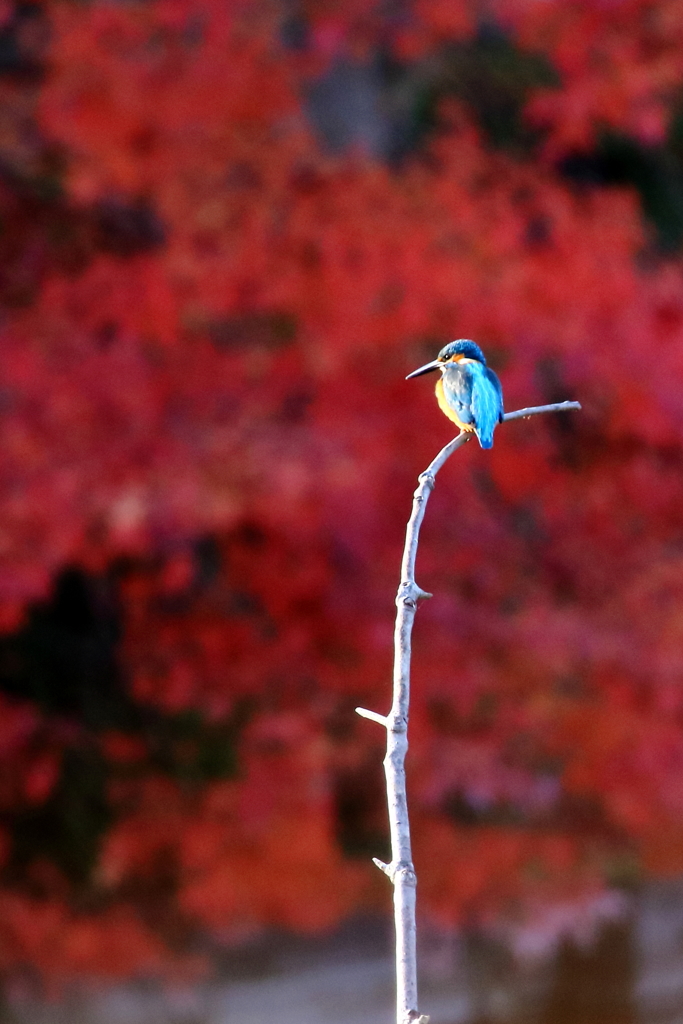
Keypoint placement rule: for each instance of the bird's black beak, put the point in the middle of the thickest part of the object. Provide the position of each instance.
(427, 368)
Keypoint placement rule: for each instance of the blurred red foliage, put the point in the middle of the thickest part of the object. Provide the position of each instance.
(206, 325)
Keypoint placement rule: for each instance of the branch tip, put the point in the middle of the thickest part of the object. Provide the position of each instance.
(373, 716)
(386, 868)
(534, 410)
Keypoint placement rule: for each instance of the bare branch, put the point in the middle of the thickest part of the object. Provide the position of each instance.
(534, 410)
(401, 870)
(373, 716)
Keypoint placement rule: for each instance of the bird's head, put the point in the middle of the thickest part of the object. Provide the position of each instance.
(453, 352)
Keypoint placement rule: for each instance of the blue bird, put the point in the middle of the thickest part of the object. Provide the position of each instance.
(468, 392)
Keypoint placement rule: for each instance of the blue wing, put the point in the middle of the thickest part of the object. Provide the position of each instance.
(487, 403)
(474, 394)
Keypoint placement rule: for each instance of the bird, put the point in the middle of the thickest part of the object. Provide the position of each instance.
(468, 392)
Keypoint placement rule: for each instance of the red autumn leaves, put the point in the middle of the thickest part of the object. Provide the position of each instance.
(238, 373)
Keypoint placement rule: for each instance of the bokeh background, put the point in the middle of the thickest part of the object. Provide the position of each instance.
(228, 229)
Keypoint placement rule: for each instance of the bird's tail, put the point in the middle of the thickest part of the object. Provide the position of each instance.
(486, 405)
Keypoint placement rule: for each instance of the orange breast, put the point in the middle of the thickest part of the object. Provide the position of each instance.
(447, 410)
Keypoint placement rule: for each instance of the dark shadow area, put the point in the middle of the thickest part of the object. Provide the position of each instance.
(594, 986)
(66, 661)
(655, 172)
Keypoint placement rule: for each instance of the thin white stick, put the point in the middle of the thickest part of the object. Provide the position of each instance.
(401, 870)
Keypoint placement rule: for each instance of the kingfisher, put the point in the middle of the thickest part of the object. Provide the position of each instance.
(468, 392)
